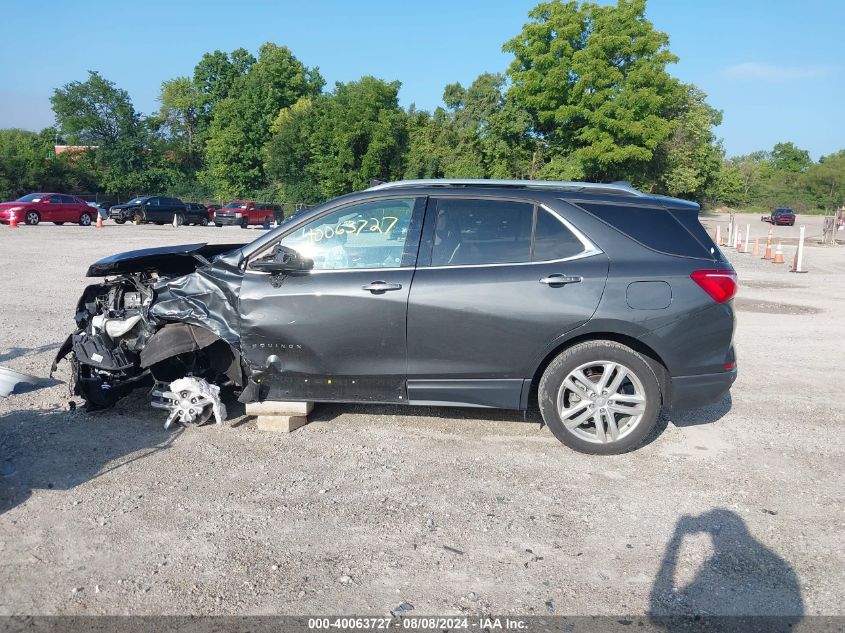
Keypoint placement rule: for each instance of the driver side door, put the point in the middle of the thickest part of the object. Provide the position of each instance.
(336, 332)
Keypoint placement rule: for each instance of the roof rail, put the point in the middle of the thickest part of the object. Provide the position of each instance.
(623, 188)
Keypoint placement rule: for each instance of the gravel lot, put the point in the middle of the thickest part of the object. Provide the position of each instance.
(736, 508)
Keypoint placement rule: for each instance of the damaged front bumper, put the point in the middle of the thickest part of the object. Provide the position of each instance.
(161, 315)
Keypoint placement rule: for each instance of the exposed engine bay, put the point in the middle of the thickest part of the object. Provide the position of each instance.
(162, 319)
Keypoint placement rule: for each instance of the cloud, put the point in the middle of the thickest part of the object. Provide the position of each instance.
(773, 72)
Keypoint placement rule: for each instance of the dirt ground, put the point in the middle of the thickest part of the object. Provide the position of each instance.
(735, 508)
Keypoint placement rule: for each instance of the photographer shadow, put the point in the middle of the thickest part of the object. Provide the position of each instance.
(743, 586)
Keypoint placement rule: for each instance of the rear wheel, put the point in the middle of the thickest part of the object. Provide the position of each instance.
(600, 397)
(203, 222)
(85, 220)
(32, 218)
(245, 223)
(58, 223)
(218, 225)
(120, 221)
(180, 219)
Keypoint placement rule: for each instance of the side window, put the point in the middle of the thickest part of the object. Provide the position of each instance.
(57, 199)
(368, 235)
(654, 227)
(154, 202)
(552, 240)
(68, 200)
(481, 232)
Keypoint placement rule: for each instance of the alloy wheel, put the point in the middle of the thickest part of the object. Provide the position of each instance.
(601, 401)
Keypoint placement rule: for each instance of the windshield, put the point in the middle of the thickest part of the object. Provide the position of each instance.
(33, 197)
(136, 201)
(235, 205)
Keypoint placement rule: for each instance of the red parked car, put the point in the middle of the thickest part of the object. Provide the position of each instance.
(242, 213)
(57, 208)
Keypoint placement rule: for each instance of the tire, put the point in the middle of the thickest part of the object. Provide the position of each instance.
(159, 223)
(245, 223)
(203, 222)
(639, 386)
(85, 219)
(58, 223)
(32, 218)
(180, 219)
(119, 221)
(218, 225)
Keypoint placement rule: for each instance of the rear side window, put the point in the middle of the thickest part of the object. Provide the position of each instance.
(552, 240)
(481, 232)
(68, 199)
(656, 227)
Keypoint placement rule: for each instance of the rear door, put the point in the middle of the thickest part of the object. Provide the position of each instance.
(72, 209)
(498, 281)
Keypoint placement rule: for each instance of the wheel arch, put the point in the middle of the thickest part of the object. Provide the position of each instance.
(178, 339)
(654, 360)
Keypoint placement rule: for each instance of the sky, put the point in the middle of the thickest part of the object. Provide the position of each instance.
(775, 68)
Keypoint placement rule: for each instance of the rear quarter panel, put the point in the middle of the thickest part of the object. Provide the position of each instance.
(692, 335)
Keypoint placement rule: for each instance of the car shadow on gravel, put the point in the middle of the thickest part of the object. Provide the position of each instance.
(11, 353)
(743, 585)
(59, 449)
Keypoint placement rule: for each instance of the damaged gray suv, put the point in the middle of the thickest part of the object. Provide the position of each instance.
(598, 303)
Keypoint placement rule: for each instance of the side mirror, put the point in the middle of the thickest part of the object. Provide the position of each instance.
(283, 260)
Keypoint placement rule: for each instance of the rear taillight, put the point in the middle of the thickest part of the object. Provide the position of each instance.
(719, 284)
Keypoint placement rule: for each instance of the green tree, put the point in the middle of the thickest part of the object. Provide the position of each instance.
(241, 122)
(335, 143)
(689, 160)
(98, 113)
(179, 115)
(594, 80)
(94, 112)
(825, 181)
(788, 157)
(215, 73)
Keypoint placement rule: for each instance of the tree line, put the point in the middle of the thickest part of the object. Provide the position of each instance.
(588, 96)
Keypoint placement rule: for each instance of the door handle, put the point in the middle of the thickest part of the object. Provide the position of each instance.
(378, 287)
(558, 279)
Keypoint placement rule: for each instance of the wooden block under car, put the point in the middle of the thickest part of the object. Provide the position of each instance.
(279, 407)
(280, 423)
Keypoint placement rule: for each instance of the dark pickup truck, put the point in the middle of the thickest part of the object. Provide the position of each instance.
(157, 209)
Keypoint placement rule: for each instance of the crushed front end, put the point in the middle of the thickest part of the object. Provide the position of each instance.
(160, 315)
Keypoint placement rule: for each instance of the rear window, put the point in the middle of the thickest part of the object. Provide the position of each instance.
(670, 232)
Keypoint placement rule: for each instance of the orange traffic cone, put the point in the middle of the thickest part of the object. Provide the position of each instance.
(99, 221)
(778, 255)
(13, 220)
(768, 254)
(756, 251)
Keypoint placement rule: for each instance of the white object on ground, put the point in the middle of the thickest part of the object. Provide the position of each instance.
(9, 379)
